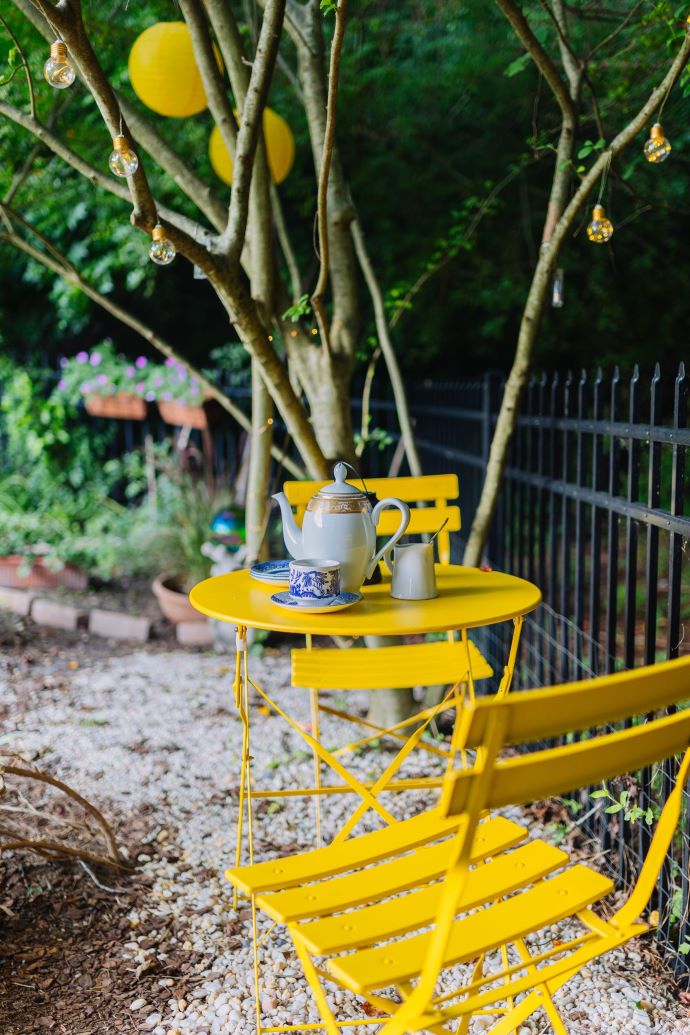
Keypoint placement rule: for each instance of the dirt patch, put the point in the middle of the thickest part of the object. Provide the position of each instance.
(62, 968)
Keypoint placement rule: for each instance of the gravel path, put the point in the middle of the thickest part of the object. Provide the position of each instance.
(157, 731)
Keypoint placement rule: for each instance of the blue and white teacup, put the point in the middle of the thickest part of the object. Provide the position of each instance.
(314, 581)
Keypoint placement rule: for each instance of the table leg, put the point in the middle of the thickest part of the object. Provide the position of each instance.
(508, 671)
(241, 688)
(316, 730)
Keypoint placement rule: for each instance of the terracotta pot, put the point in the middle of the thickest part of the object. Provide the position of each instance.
(39, 576)
(173, 602)
(123, 406)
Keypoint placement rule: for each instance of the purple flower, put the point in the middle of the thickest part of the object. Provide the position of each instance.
(102, 379)
(150, 396)
(157, 382)
(85, 388)
(139, 386)
(62, 384)
(95, 359)
(140, 362)
(170, 362)
(167, 395)
(181, 375)
(63, 361)
(130, 371)
(82, 357)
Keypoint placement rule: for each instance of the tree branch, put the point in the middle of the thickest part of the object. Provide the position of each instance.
(324, 173)
(218, 101)
(251, 126)
(25, 64)
(539, 56)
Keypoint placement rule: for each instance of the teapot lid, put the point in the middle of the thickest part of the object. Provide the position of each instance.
(340, 487)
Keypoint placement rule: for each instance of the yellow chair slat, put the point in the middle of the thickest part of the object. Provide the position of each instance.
(422, 519)
(376, 923)
(409, 488)
(346, 855)
(359, 668)
(535, 715)
(396, 875)
(545, 773)
(546, 903)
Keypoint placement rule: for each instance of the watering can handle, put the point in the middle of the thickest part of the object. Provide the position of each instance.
(402, 528)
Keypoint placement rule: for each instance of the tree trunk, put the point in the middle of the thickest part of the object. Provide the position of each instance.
(259, 466)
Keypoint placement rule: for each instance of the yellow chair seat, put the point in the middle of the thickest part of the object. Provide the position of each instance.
(391, 877)
(418, 664)
(493, 879)
(546, 903)
(365, 850)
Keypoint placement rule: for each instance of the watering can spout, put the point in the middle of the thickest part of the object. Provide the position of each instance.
(292, 533)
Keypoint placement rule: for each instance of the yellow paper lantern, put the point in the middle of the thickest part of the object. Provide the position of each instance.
(164, 73)
(280, 145)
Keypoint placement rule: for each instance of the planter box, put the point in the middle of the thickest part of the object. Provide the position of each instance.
(123, 406)
(39, 576)
(182, 416)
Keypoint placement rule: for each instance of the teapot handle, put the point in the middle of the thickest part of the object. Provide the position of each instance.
(404, 522)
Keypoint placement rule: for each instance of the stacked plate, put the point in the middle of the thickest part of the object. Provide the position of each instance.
(274, 573)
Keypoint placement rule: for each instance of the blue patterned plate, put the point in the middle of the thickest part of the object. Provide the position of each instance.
(276, 573)
(337, 603)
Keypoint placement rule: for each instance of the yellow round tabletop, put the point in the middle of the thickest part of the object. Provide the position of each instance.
(467, 598)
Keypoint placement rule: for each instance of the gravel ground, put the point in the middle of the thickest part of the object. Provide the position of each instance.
(156, 733)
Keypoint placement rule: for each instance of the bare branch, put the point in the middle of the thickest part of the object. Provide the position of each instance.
(211, 76)
(540, 57)
(251, 125)
(324, 173)
(25, 64)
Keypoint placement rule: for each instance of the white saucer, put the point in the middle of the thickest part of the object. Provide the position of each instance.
(337, 603)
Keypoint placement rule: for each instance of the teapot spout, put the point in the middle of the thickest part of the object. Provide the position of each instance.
(292, 533)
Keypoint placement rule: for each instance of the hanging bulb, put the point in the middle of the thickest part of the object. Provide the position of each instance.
(557, 289)
(162, 251)
(122, 161)
(58, 69)
(657, 148)
(600, 229)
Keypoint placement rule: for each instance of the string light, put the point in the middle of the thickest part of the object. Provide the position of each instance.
(162, 251)
(600, 230)
(314, 330)
(557, 289)
(58, 69)
(657, 148)
(123, 161)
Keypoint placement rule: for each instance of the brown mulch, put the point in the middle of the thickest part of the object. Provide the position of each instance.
(62, 967)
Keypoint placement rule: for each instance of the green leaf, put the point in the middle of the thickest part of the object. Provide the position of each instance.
(517, 66)
(616, 807)
(684, 948)
(599, 794)
(329, 6)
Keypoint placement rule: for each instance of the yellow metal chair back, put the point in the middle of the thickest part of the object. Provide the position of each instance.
(506, 896)
(436, 490)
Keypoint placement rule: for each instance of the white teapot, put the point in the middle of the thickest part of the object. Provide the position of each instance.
(340, 525)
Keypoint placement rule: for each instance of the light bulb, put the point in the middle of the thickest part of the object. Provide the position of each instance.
(600, 229)
(657, 148)
(58, 69)
(162, 251)
(123, 161)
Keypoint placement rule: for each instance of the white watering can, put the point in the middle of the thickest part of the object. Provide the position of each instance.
(340, 525)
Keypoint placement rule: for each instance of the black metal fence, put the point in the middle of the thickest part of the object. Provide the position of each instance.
(593, 511)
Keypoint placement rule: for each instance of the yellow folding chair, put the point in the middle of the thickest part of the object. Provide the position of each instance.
(445, 662)
(372, 916)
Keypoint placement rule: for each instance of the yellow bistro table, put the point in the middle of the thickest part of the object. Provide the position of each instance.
(468, 598)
